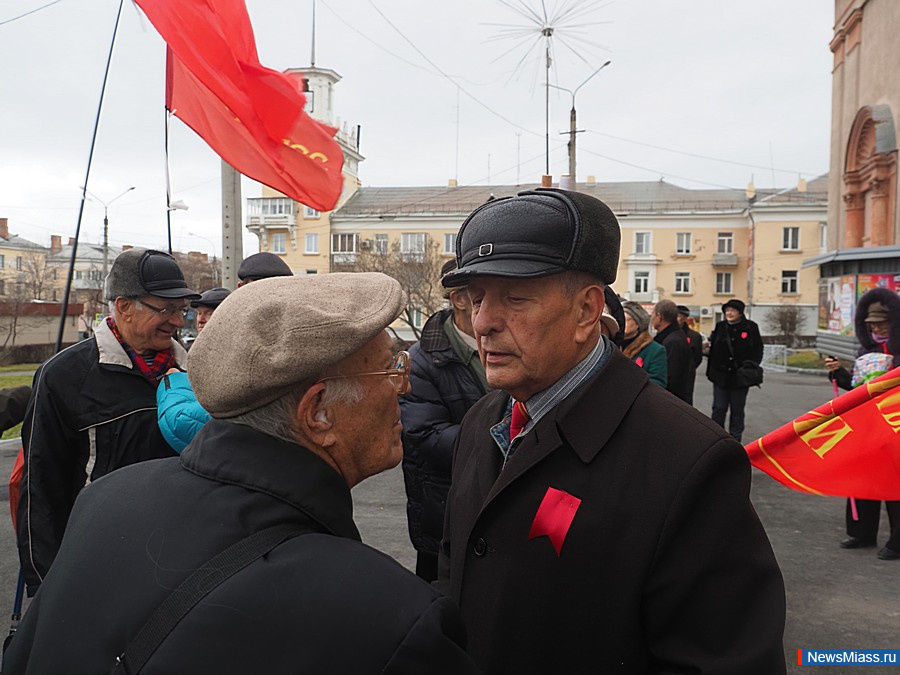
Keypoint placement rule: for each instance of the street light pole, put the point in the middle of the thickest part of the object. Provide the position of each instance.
(106, 206)
(573, 129)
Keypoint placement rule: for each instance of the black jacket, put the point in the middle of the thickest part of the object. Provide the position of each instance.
(443, 388)
(322, 602)
(721, 365)
(678, 359)
(90, 412)
(664, 568)
(695, 342)
(866, 344)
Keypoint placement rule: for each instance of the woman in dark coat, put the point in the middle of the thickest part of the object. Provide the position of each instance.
(878, 331)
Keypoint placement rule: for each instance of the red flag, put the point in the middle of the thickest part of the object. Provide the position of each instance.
(848, 447)
(250, 115)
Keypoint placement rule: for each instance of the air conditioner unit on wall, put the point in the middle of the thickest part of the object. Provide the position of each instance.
(365, 245)
(706, 312)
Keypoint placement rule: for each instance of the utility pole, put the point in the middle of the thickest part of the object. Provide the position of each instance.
(573, 128)
(232, 226)
(106, 206)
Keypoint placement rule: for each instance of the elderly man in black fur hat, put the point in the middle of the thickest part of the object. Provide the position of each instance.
(595, 523)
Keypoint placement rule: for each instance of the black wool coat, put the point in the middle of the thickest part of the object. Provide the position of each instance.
(721, 365)
(678, 359)
(665, 566)
(321, 602)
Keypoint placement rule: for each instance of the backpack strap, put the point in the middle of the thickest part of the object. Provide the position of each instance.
(193, 589)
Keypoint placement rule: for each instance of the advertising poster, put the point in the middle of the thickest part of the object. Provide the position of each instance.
(866, 282)
(847, 304)
(836, 301)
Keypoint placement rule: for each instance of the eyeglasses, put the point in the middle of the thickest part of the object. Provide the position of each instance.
(398, 375)
(165, 312)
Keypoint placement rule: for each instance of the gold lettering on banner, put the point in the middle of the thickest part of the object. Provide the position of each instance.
(880, 386)
(821, 432)
(302, 148)
(889, 407)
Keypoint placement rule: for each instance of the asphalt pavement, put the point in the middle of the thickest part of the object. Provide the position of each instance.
(836, 599)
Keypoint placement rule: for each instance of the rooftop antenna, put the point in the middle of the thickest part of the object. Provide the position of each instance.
(312, 58)
(565, 23)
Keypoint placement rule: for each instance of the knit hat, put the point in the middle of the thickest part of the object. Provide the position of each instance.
(638, 313)
(270, 336)
(138, 272)
(535, 234)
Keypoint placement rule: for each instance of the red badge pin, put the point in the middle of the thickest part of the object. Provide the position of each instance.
(744, 335)
(554, 516)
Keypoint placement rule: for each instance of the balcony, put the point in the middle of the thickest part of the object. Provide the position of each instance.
(724, 260)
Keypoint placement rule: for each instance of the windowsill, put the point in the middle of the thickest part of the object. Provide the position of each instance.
(684, 256)
(788, 295)
(310, 253)
(724, 294)
(682, 293)
(790, 250)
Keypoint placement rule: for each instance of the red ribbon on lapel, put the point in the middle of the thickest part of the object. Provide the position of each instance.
(554, 516)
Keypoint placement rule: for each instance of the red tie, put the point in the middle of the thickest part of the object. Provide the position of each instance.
(518, 420)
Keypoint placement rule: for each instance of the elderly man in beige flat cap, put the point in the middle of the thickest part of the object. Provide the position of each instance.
(243, 550)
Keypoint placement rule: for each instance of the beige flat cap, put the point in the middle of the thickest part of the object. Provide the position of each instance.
(268, 336)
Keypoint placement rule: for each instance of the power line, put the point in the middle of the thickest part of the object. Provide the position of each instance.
(22, 16)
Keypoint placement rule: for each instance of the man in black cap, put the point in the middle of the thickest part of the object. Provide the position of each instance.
(734, 342)
(93, 406)
(207, 304)
(578, 536)
(447, 379)
(262, 265)
(695, 342)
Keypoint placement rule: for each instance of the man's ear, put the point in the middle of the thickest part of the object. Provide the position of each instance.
(124, 307)
(315, 420)
(591, 301)
(459, 298)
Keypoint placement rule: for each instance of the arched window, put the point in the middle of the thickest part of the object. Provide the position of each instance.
(870, 179)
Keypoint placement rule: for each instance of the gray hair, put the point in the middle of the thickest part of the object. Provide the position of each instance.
(279, 418)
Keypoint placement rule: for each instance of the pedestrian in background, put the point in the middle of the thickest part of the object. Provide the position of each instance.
(446, 379)
(262, 265)
(877, 325)
(595, 523)
(695, 342)
(639, 345)
(734, 342)
(302, 381)
(93, 405)
(679, 376)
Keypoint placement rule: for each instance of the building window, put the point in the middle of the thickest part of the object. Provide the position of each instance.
(53, 275)
(789, 282)
(343, 247)
(412, 246)
(381, 243)
(682, 282)
(415, 315)
(682, 243)
(791, 241)
(723, 282)
(312, 243)
(823, 238)
(78, 274)
(279, 242)
(270, 206)
(450, 244)
(19, 262)
(641, 242)
(726, 242)
(2, 287)
(309, 212)
(641, 282)
(312, 271)
(2, 261)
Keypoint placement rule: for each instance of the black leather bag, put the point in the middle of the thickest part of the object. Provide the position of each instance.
(749, 374)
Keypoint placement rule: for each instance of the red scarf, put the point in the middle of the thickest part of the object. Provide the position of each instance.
(152, 371)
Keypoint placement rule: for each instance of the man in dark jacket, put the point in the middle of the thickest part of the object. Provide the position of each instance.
(578, 538)
(695, 342)
(93, 405)
(733, 343)
(302, 382)
(446, 379)
(680, 381)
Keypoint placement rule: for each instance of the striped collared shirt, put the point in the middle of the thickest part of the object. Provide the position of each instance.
(544, 401)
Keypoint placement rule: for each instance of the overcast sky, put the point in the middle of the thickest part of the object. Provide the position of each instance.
(701, 93)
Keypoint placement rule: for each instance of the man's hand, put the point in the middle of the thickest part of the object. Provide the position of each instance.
(831, 364)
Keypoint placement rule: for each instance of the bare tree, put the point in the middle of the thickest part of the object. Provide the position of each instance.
(38, 276)
(200, 273)
(419, 274)
(787, 322)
